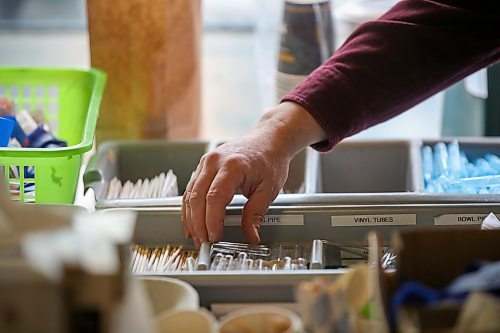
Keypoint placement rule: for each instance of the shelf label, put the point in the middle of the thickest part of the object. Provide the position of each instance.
(460, 219)
(235, 220)
(371, 220)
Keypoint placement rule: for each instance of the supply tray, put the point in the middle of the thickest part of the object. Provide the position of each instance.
(158, 226)
(355, 172)
(359, 187)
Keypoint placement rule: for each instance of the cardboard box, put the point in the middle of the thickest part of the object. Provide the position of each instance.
(434, 258)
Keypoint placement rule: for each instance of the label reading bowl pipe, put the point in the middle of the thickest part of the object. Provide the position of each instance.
(371, 220)
(235, 220)
(460, 219)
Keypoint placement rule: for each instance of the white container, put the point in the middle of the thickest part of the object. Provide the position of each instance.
(261, 319)
(188, 321)
(168, 294)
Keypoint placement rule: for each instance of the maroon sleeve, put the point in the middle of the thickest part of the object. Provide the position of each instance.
(391, 64)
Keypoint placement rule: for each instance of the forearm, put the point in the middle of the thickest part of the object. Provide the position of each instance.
(391, 64)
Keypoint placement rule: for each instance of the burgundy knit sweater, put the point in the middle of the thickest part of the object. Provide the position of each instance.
(385, 67)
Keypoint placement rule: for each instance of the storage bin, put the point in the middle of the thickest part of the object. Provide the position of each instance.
(357, 188)
(356, 172)
(134, 160)
(159, 226)
(70, 100)
(368, 167)
(473, 147)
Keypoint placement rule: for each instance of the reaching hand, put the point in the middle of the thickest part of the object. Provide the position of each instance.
(256, 164)
(249, 165)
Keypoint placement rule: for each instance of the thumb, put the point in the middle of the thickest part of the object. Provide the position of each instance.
(254, 212)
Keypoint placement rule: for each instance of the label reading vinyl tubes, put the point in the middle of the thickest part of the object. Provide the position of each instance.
(373, 220)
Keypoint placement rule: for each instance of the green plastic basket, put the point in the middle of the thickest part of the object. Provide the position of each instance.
(69, 99)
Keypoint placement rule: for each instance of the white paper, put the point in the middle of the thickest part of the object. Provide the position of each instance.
(477, 84)
(491, 222)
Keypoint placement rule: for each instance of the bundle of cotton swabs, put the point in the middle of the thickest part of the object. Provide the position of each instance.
(162, 186)
(169, 258)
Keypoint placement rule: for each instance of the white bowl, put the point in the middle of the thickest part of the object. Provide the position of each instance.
(168, 294)
(261, 319)
(187, 321)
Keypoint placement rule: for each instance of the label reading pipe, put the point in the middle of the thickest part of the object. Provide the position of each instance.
(235, 220)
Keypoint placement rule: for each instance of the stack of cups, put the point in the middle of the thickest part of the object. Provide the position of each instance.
(306, 41)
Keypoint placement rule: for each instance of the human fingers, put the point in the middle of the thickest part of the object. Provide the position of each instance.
(221, 192)
(198, 194)
(254, 212)
(185, 229)
(184, 205)
(186, 210)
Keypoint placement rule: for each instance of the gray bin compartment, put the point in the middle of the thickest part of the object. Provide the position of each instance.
(368, 167)
(358, 178)
(474, 148)
(133, 160)
(355, 172)
(129, 160)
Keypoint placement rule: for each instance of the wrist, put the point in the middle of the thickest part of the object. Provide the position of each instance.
(291, 127)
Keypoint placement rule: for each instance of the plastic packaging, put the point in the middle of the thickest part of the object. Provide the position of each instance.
(6, 126)
(35, 135)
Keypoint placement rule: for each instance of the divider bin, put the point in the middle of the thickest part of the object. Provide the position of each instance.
(159, 226)
(355, 172)
(357, 188)
(368, 167)
(473, 147)
(134, 160)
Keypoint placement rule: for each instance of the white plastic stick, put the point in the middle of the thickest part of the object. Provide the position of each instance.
(127, 188)
(144, 189)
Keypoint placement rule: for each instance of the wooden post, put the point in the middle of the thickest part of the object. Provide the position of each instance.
(150, 50)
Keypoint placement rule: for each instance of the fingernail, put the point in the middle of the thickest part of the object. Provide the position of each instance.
(212, 237)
